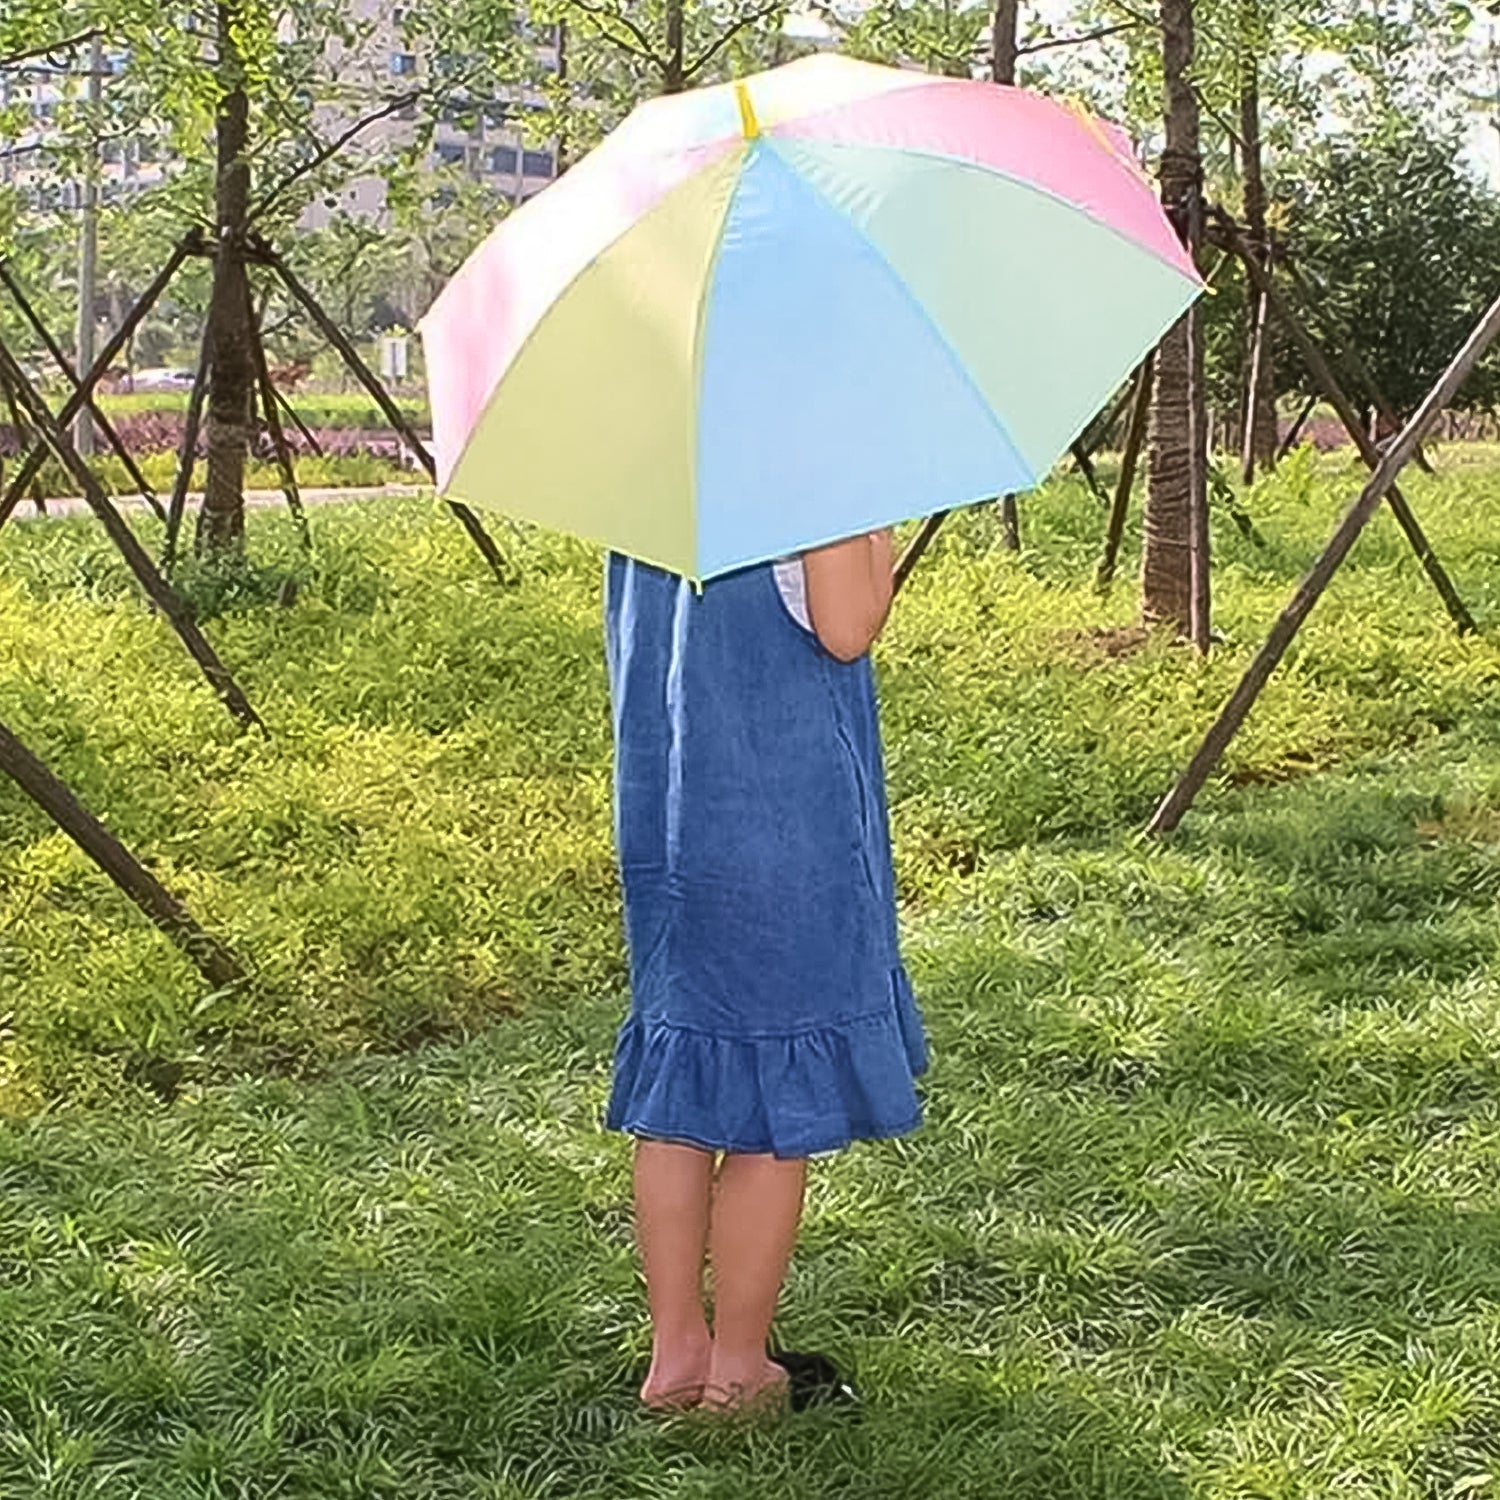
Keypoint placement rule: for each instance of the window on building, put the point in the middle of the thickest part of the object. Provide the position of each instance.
(538, 164)
(450, 153)
(403, 64)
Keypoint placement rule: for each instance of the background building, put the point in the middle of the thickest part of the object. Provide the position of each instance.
(486, 139)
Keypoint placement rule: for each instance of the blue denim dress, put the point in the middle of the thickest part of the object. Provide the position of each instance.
(770, 1011)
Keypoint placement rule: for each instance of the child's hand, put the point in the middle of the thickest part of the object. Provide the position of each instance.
(849, 590)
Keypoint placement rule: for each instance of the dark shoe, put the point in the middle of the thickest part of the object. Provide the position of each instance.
(814, 1380)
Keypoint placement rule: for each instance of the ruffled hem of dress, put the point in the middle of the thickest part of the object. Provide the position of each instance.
(801, 1094)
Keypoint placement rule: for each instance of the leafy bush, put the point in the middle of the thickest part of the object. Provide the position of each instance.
(422, 845)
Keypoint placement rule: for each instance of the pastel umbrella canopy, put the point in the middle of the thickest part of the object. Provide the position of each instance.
(773, 314)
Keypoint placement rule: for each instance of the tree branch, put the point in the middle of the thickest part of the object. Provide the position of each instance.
(1218, 119)
(835, 22)
(52, 50)
(1077, 41)
(330, 150)
(603, 13)
(753, 19)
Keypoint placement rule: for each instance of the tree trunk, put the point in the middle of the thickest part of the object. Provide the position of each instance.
(1007, 27)
(1178, 413)
(1006, 40)
(221, 527)
(1259, 440)
(674, 76)
(564, 121)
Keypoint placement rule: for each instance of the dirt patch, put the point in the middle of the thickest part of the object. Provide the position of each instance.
(1288, 768)
(1469, 825)
(1097, 648)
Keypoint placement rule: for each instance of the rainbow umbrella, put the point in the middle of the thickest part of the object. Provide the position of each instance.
(776, 313)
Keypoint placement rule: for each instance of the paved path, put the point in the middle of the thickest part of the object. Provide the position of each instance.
(255, 499)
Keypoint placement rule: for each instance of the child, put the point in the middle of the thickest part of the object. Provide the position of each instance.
(771, 1019)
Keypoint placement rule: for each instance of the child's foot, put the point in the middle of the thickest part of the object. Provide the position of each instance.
(757, 1388)
(676, 1378)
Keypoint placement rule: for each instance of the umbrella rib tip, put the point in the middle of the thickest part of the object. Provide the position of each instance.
(748, 121)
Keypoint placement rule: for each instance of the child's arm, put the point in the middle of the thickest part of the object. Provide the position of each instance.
(849, 589)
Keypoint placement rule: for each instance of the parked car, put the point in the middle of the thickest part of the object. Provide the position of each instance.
(163, 380)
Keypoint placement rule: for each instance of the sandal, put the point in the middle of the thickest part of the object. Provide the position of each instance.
(813, 1380)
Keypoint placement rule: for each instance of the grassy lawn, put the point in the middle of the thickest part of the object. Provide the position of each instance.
(1208, 1200)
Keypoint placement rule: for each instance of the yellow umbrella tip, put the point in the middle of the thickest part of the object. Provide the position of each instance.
(748, 121)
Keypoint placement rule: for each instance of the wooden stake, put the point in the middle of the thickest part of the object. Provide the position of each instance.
(1295, 431)
(1085, 464)
(32, 463)
(63, 363)
(1311, 589)
(187, 457)
(272, 415)
(378, 393)
(1100, 430)
(1322, 372)
(913, 554)
(157, 589)
(1351, 355)
(290, 412)
(217, 965)
(1248, 454)
(1135, 440)
(1200, 564)
(1010, 524)
(23, 436)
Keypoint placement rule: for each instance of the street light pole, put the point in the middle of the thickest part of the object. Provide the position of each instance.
(88, 248)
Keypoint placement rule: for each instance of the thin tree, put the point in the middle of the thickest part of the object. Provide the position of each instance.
(221, 526)
(1259, 430)
(1006, 41)
(1176, 472)
(1006, 51)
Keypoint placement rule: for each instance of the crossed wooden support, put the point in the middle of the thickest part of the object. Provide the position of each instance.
(49, 431)
(220, 967)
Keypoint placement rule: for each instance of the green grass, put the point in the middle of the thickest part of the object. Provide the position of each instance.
(1207, 1202)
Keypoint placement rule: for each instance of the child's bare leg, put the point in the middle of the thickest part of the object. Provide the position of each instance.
(757, 1207)
(672, 1185)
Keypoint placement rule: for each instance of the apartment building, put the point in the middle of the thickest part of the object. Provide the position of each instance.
(490, 140)
(485, 140)
(39, 91)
